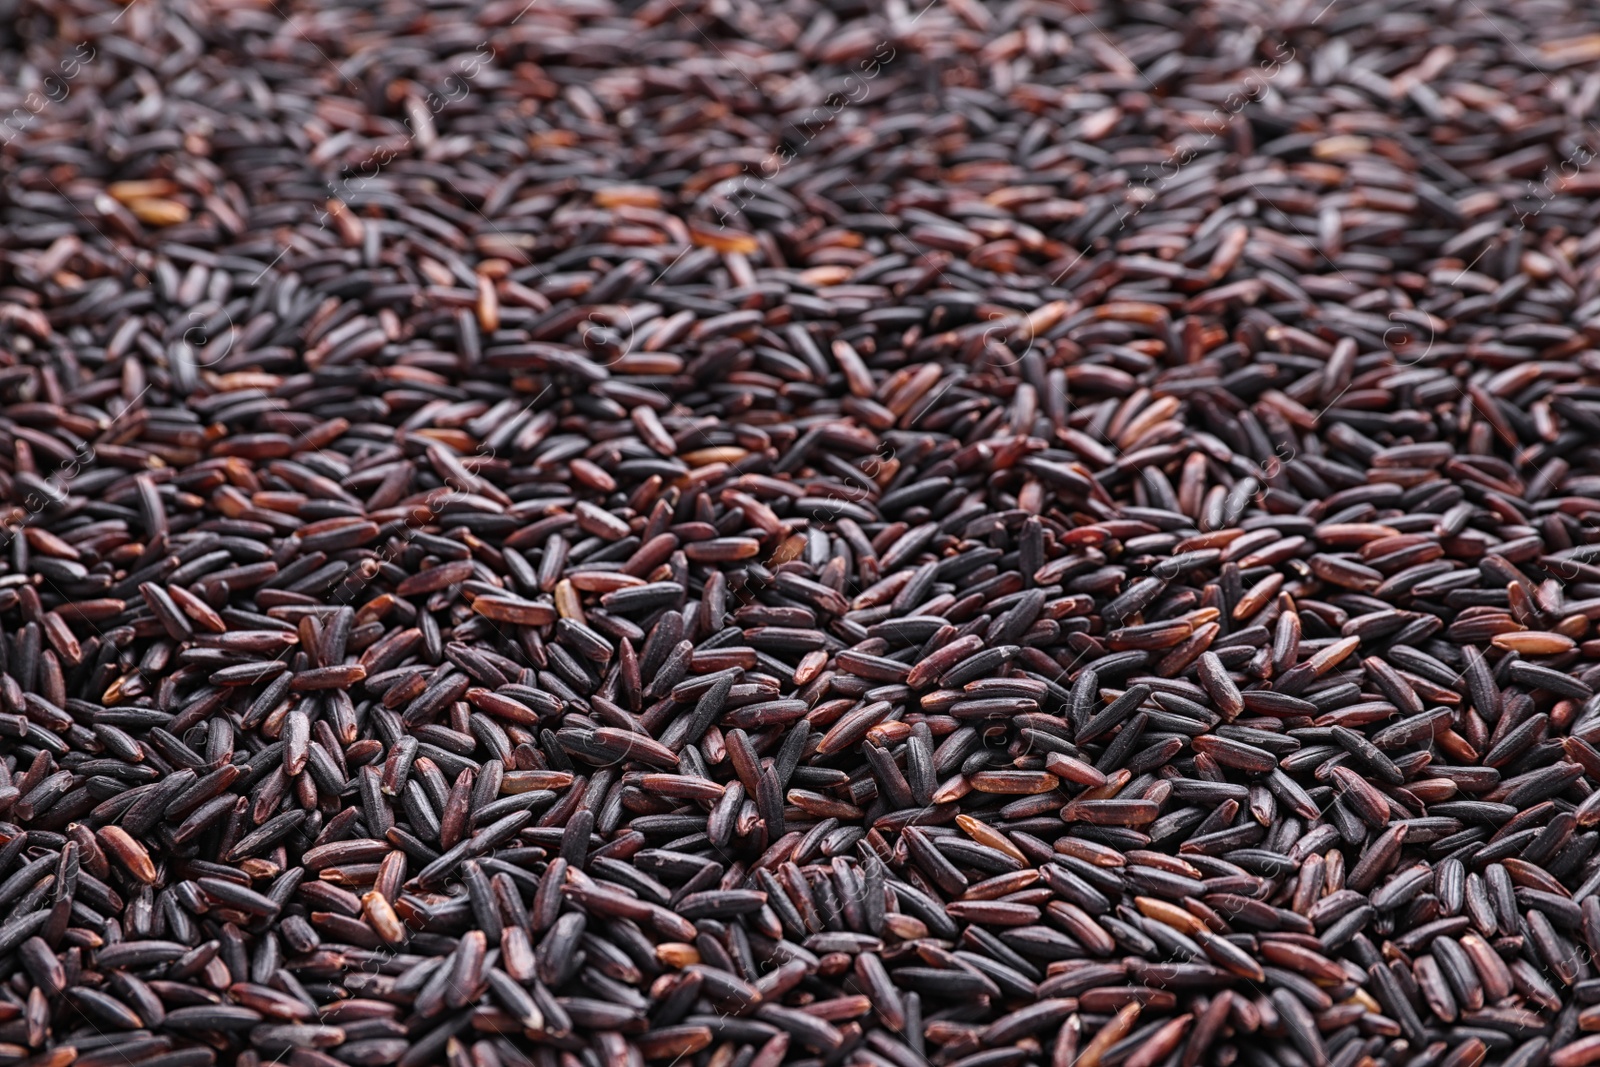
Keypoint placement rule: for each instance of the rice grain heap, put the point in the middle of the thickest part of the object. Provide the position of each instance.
(585, 534)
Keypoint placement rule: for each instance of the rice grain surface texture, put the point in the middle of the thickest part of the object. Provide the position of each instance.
(577, 533)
